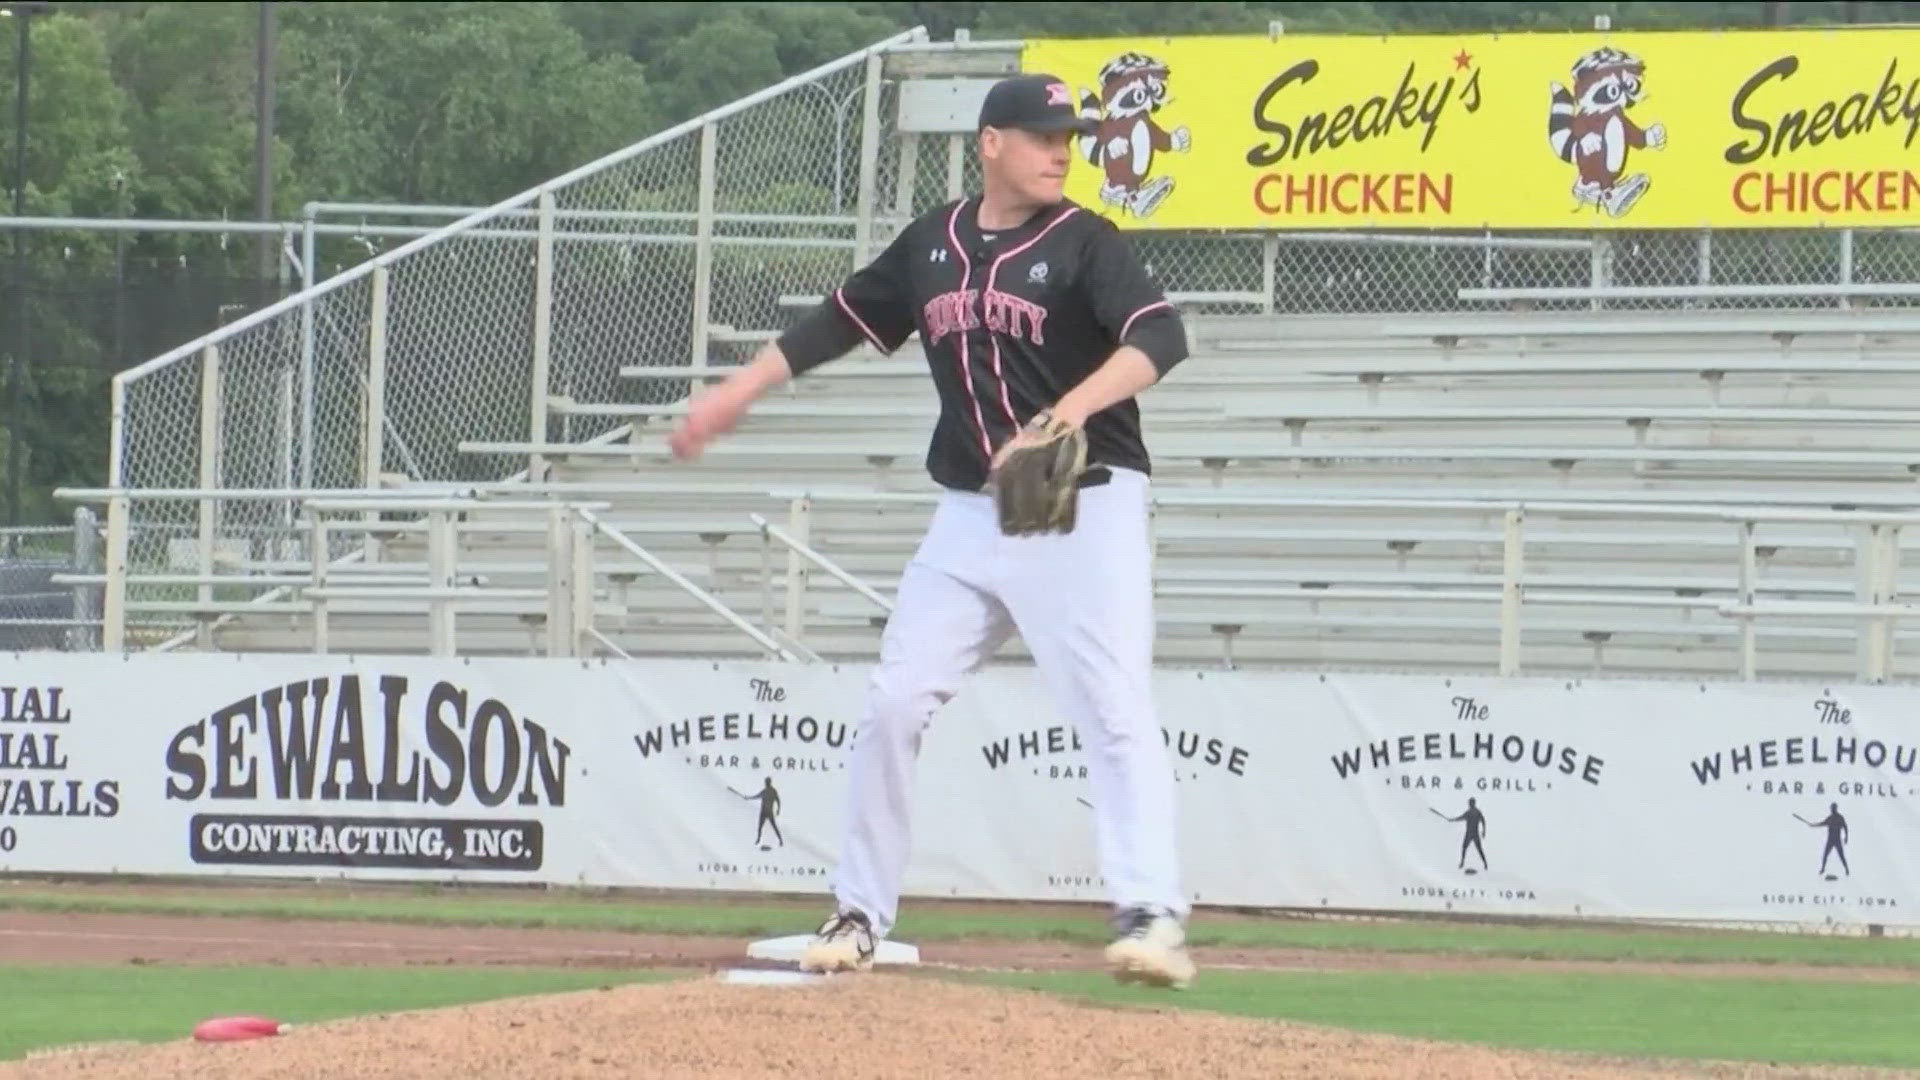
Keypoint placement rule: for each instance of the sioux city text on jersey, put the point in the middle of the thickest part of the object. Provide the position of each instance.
(1010, 321)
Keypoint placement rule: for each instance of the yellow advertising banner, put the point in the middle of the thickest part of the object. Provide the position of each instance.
(1752, 129)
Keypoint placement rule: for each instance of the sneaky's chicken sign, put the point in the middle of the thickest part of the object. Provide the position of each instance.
(1565, 131)
(370, 744)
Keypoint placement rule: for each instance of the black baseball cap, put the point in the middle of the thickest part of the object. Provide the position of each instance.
(1036, 102)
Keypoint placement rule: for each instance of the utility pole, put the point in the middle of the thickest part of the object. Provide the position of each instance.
(267, 252)
(22, 13)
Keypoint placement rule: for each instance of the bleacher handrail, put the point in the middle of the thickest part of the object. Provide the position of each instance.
(1874, 610)
(707, 599)
(1736, 291)
(314, 290)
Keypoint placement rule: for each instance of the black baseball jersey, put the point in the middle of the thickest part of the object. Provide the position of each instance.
(1010, 322)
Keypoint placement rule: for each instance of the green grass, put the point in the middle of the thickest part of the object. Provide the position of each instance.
(933, 922)
(56, 1006)
(1626, 1014)
(1629, 1016)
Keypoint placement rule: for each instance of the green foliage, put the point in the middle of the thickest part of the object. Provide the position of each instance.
(448, 103)
(691, 82)
(83, 1004)
(80, 150)
(187, 74)
(148, 109)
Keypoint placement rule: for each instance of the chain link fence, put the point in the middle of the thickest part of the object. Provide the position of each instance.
(689, 248)
(650, 254)
(36, 613)
(1424, 272)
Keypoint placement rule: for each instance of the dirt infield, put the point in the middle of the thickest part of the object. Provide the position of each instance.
(880, 1025)
(47, 938)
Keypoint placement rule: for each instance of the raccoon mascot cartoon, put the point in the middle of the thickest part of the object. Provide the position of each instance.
(1588, 128)
(1132, 88)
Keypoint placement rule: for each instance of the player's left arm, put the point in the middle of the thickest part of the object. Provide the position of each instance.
(1151, 338)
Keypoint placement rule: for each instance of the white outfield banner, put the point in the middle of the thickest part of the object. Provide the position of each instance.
(1400, 793)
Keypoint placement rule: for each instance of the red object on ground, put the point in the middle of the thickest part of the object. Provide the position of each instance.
(236, 1028)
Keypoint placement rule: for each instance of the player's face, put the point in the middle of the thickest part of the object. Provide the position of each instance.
(1032, 164)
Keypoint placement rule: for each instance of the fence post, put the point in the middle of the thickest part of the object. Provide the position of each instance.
(86, 560)
(798, 518)
(766, 577)
(703, 243)
(209, 479)
(1600, 267)
(1269, 271)
(542, 334)
(560, 580)
(869, 162)
(307, 394)
(113, 597)
(1749, 574)
(907, 177)
(113, 607)
(1881, 560)
(440, 560)
(283, 431)
(373, 424)
(956, 166)
(957, 143)
(1846, 265)
(317, 571)
(1889, 586)
(1510, 591)
(580, 632)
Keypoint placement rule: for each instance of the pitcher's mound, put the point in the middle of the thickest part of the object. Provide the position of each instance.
(849, 1027)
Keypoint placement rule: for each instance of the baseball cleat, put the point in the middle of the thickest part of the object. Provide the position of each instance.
(1151, 949)
(844, 943)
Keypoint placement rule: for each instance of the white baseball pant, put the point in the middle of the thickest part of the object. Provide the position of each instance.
(1083, 603)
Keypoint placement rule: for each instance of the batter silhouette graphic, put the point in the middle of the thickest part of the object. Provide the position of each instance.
(1476, 823)
(769, 800)
(1837, 837)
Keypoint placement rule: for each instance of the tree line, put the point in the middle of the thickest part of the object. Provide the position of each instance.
(148, 110)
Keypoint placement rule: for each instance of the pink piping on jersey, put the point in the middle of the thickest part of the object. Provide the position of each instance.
(1005, 403)
(864, 328)
(1155, 306)
(966, 370)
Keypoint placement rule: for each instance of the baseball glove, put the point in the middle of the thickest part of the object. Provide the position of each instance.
(1035, 485)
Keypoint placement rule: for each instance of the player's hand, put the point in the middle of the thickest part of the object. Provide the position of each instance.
(711, 413)
(1034, 436)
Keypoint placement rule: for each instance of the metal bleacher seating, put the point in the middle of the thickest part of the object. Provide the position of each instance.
(1331, 492)
(1699, 492)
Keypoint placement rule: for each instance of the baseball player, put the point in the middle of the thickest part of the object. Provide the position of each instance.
(1040, 325)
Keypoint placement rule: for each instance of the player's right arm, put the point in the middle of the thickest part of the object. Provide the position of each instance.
(873, 306)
